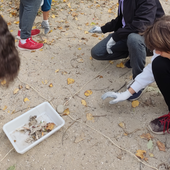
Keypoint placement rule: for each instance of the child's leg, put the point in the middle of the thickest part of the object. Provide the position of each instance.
(46, 10)
(161, 72)
(28, 16)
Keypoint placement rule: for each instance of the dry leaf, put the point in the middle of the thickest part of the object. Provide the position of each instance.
(5, 107)
(27, 87)
(70, 81)
(89, 116)
(139, 154)
(122, 125)
(53, 16)
(121, 65)
(135, 103)
(57, 71)
(94, 35)
(91, 58)
(111, 62)
(151, 155)
(88, 93)
(146, 136)
(15, 91)
(50, 126)
(20, 87)
(66, 111)
(3, 82)
(51, 85)
(83, 102)
(34, 27)
(161, 146)
(26, 99)
(86, 32)
(79, 48)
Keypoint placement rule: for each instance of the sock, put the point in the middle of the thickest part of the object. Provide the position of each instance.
(46, 21)
(19, 29)
(23, 41)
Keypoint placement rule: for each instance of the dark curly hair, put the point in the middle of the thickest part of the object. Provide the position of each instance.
(9, 58)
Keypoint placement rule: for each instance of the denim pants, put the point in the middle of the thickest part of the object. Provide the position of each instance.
(161, 72)
(27, 13)
(133, 46)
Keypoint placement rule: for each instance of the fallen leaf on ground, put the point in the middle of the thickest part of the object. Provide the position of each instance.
(57, 71)
(26, 99)
(140, 154)
(15, 91)
(111, 62)
(70, 81)
(27, 87)
(83, 102)
(5, 107)
(89, 116)
(146, 136)
(120, 65)
(135, 103)
(122, 125)
(11, 167)
(88, 93)
(94, 35)
(151, 155)
(51, 85)
(3, 82)
(66, 111)
(150, 144)
(161, 146)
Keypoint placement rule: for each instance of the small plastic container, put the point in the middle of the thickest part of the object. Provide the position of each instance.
(44, 112)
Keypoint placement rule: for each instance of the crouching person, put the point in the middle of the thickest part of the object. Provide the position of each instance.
(157, 38)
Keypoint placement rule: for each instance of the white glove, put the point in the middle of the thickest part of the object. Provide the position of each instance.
(118, 96)
(110, 43)
(96, 29)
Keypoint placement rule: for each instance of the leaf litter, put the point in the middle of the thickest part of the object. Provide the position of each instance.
(36, 129)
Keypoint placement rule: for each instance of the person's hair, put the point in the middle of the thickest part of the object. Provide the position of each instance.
(9, 58)
(157, 36)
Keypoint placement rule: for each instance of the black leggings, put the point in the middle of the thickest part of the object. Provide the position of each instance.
(161, 72)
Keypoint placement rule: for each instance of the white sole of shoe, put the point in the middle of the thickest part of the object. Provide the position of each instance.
(157, 133)
(18, 37)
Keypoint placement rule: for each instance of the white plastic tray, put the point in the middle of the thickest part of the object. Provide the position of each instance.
(44, 112)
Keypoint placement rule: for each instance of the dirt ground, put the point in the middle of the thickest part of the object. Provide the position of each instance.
(89, 143)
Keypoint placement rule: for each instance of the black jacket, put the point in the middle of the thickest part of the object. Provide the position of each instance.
(138, 14)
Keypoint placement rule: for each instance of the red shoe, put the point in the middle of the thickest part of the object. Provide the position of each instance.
(160, 125)
(30, 45)
(33, 33)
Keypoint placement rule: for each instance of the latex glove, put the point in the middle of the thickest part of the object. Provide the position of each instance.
(109, 44)
(117, 96)
(96, 29)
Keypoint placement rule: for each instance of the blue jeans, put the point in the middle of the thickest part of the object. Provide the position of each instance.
(133, 46)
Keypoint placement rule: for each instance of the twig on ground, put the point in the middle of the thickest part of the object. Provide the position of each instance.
(124, 74)
(6, 155)
(68, 128)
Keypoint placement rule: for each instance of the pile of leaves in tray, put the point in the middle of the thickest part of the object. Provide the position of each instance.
(36, 129)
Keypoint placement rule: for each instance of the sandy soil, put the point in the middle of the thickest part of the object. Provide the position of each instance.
(66, 54)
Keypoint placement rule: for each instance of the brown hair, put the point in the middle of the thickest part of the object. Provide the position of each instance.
(157, 36)
(9, 58)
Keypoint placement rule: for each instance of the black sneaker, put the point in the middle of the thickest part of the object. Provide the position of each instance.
(127, 64)
(160, 125)
(135, 96)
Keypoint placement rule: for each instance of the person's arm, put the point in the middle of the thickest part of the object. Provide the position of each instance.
(144, 15)
(140, 82)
